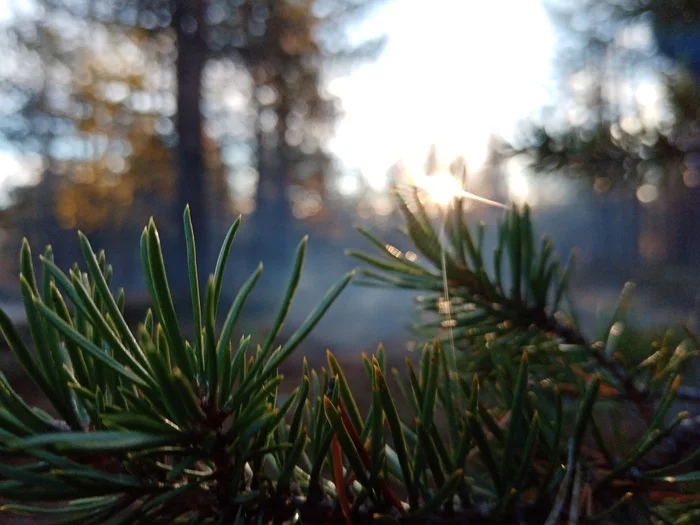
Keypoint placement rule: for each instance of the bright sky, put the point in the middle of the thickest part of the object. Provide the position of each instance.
(453, 72)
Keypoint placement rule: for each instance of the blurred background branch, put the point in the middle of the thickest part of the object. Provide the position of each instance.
(625, 114)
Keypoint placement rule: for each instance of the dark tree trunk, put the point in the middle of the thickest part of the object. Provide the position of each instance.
(190, 29)
(276, 235)
(275, 169)
(274, 222)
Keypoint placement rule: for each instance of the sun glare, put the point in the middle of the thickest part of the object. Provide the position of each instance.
(348, 185)
(441, 187)
(518, 187)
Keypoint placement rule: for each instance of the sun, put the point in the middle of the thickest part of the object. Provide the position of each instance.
(518, 187)
(441, 187)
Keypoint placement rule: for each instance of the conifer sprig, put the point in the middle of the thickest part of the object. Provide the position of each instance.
(157, 428)
(515, 298)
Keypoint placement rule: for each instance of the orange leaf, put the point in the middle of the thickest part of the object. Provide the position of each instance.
(337, 454)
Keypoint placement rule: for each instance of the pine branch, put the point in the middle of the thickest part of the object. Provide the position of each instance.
(159, 428)
(536, 282)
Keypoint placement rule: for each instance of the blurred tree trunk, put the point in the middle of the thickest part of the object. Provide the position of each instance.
(273, 216)
(190, 29)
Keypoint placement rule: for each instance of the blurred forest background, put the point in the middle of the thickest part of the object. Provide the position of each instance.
(115, 110)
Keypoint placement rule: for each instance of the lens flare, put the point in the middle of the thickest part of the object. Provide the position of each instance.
(440, 187)
(443, 187)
